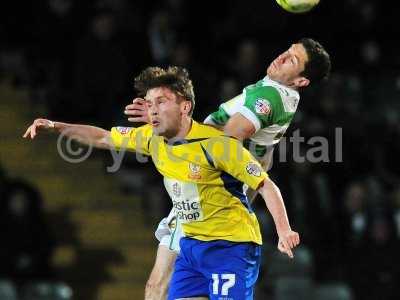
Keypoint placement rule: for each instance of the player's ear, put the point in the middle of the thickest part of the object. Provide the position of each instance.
(301, 82)
(186, 107)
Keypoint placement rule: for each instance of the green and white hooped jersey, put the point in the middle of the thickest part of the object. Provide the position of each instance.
(269, 105)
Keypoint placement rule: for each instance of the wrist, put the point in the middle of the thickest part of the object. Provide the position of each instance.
(283, 231)
(57, 126)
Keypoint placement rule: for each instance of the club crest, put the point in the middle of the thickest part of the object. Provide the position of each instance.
(253, 169)
(194, 171)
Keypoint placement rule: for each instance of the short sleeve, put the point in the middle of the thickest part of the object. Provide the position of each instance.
(132, 139)
(218, 118)
(260, 104)
(229, 155)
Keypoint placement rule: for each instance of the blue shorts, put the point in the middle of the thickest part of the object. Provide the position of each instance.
(219, 270)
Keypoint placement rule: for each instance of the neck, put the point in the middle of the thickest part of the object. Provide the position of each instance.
(292, 86)
(185, 127)
(287, 84)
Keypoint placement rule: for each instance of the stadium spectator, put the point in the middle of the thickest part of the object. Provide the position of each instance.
(379, 262)
(25, 234)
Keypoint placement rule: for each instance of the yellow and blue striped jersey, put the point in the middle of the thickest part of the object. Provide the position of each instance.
(204, 175)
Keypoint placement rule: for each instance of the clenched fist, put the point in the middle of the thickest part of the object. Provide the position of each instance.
(38, 125)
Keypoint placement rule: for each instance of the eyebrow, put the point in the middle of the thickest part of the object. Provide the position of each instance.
(158, 97)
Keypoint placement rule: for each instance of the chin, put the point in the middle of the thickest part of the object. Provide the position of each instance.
(163, 133)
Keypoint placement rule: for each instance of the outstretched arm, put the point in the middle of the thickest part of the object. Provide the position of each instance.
(288, 239)
(85, 134)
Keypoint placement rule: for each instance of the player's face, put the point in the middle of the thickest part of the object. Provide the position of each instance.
(164, 110)
(286, 68)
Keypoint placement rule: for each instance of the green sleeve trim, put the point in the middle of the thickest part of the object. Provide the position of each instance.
(219, 117)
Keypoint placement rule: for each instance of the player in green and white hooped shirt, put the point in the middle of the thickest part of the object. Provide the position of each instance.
(268, 105)
(261, 114)
(269, 108)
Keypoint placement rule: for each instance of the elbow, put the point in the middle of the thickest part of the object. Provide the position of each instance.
(239, 132)
(104, 144)
(243, 133)
(104, 141)
(262, 188)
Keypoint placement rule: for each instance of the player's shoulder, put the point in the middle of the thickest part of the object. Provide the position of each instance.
(279, 96)
(145, 131)
(207, 130)
(205, 134)
(268, 91)
(148, 129)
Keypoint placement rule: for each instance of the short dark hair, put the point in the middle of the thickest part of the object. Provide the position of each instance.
(318, 66)
(175, 78)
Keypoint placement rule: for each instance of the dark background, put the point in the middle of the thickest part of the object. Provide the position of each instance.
(78, 59)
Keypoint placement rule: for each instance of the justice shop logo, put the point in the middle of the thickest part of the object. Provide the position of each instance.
(188, 210)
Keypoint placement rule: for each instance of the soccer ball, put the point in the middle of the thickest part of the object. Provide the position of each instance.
(297, 6)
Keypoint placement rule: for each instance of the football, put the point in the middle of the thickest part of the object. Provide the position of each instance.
(297, 6)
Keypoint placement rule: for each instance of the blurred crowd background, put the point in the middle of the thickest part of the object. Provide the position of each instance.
(78, 60)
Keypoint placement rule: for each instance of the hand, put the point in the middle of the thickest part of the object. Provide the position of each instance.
(287, 241)
(137, 111)
(38, 124)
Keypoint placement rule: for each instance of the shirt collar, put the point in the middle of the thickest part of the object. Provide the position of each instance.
(273, 82)
(194, 130)
(193, 133)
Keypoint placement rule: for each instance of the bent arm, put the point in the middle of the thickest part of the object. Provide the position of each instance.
(288, 239)
(239, 127)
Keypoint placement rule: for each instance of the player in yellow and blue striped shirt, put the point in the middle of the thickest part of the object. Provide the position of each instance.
(204, 171)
